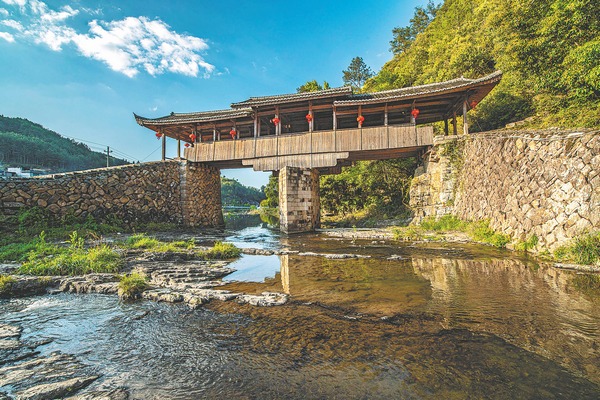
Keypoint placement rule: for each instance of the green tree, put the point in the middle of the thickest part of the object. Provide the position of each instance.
(404, 36)
(357, 73)
(271, 192)
(312, 86)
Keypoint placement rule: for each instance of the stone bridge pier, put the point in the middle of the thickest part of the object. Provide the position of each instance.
(299, 204)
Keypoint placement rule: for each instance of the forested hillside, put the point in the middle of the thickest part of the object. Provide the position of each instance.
(234, 193)
(549, 51)
(26, 144)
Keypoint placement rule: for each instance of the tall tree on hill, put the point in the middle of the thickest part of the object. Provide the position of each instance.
(404, 36)
(357, 73)
(313, 86)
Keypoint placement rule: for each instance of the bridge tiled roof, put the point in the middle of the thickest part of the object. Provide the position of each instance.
(419, 91)
(195, 117)
(294, 97)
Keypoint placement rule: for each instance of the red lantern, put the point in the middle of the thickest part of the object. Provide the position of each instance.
(309, 118)
(275, 121)
(360, 119)
(473, 104)
(193, 137)
(415, 113)
(232, 133)
(158, 135)
(187, 145)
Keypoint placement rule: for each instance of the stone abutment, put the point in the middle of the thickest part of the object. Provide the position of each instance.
(542, 183)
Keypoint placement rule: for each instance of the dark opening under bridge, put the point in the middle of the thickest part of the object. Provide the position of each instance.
(303, 135)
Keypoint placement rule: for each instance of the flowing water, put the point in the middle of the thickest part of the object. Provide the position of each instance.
(411, 321)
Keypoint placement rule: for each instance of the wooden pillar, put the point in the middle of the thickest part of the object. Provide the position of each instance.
(278, 126)
(454, 128)
(256, 132)
(237, 133)
(359, 125)
(312, 121)
(446, 126)
(465, 121)
(385, 115)
(164, 147)
(334, 119)
(178, 148)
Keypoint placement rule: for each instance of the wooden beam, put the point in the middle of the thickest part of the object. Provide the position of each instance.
(164, 147)
(446, 126)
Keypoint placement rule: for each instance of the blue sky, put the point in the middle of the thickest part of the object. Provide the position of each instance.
(81, 68)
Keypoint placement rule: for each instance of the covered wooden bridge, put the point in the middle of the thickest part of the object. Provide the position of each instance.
(305, 134)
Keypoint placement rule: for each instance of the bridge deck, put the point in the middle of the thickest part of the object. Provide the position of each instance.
(317, 149)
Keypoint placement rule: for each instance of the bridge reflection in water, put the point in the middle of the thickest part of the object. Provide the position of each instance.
(532, 307)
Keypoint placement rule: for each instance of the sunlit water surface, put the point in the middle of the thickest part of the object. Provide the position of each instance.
(422, 321)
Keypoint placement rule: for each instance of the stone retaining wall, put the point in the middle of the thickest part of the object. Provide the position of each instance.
(149, 192)
(543, 183)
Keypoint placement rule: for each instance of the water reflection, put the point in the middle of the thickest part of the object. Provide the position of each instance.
(531, 307)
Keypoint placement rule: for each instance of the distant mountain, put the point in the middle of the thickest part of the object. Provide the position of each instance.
(26, 144)
(234, 193)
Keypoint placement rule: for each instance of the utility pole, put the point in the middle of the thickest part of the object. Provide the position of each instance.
(107, 151)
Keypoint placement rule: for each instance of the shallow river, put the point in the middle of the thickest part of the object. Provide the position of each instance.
(411, 321)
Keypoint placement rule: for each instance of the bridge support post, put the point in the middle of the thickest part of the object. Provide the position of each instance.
(299, 203)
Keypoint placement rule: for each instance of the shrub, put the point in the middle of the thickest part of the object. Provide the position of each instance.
(131, 286)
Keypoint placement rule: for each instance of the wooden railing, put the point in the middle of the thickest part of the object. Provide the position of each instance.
(308, 143)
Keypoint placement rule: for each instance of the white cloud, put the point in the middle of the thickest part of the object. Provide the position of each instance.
(4, 12)
(11, 23)
(7, 36)
(128, 46)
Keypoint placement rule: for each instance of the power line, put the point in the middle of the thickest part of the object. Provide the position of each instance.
(159, 146)
(102, 148)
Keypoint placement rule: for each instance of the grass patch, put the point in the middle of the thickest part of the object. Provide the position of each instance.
(584, 249)
(444, 223)
(408, 233)
(131, 286)
(221, 251)
(145, 242)
(479, 231)
(6, 282)
(50, 259)
(16, 252)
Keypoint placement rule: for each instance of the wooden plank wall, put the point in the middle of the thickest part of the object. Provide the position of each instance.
(310, 149)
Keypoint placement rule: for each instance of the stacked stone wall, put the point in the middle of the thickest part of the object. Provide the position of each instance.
(137, 193)
(543, 183)
(201, 195)
(299, 201)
